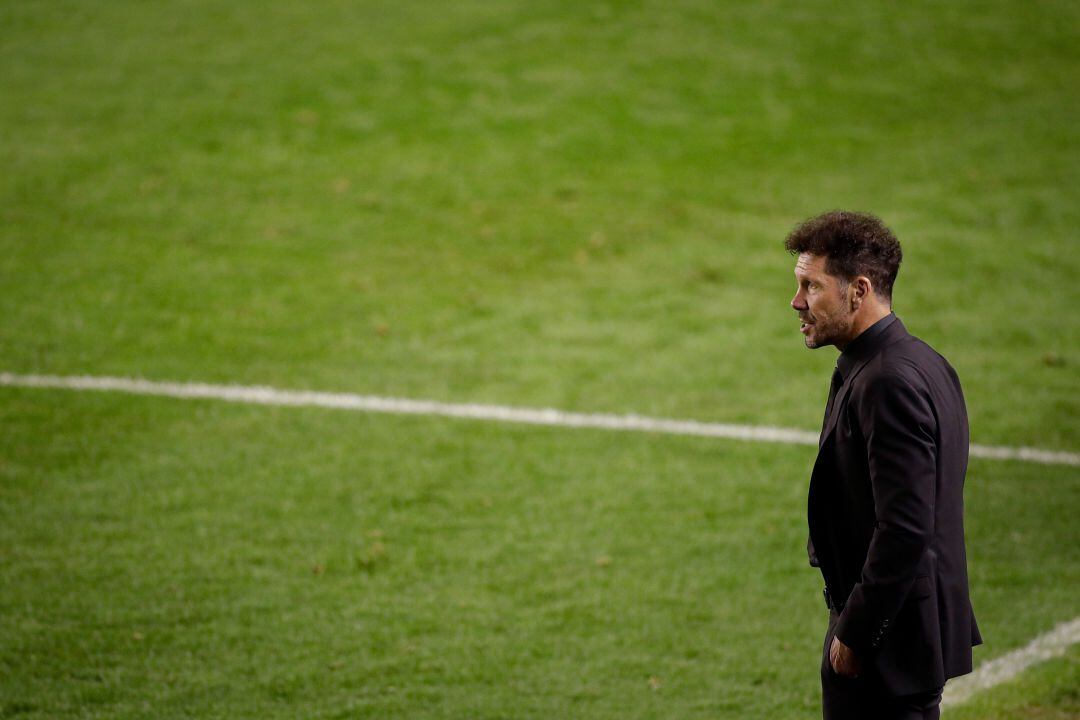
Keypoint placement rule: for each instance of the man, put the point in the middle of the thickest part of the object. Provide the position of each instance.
(886, 494)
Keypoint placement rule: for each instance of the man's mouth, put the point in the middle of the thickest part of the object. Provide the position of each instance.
(804, 325)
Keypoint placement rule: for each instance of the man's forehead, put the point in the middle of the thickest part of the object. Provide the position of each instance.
(808, 264)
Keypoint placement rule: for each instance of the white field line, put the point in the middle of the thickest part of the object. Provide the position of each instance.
(1002, 669)
(500, 413)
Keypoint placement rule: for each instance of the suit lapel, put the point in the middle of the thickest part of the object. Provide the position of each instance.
(839, 402)
(892, 334)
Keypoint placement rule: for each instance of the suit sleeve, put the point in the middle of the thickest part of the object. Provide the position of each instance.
(900, 428)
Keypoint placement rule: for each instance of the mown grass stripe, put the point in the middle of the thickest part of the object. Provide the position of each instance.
(500, 413)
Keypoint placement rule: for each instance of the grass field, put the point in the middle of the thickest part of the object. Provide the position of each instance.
(539, 204)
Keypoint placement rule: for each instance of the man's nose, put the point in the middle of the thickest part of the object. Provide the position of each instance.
(797, 302)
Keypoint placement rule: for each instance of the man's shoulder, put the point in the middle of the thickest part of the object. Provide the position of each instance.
(907, 362)
(908, 354)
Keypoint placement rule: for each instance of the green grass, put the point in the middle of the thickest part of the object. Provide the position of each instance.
(1045, 692)
(223, 561)
(555, 204)
(540, 203)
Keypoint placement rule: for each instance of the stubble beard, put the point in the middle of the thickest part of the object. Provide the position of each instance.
(828, 330)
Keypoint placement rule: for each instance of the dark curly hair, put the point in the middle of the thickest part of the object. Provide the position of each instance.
(853, 244)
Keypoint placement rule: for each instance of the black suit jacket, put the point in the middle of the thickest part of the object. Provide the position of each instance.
(886, 510)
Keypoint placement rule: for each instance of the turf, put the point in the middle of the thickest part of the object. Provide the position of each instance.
(189, 558)
(554, 204)
(535, 203)
(1045, 692)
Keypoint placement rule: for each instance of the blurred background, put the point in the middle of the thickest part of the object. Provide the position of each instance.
(571, 205)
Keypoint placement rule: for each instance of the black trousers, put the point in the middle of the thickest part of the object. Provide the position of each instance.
(865, 697)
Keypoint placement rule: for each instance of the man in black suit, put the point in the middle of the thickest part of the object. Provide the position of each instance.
(886, 494)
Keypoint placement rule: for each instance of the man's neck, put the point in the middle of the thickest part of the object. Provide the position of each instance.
(864, 319)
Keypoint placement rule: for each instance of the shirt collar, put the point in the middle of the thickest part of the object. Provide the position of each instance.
(868, 342)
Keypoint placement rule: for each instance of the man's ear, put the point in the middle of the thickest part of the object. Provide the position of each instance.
(860, 291)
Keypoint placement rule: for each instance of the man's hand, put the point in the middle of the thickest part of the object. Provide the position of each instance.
(843, 659)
